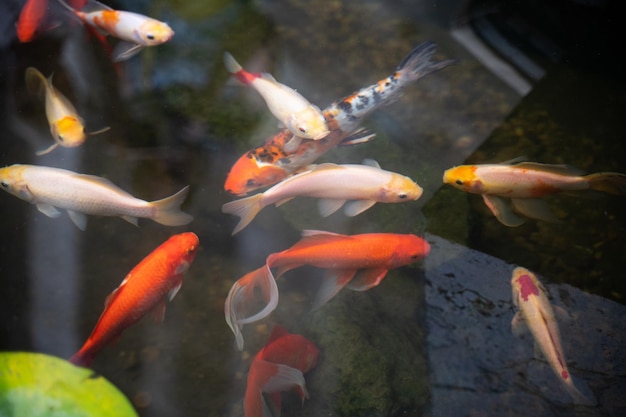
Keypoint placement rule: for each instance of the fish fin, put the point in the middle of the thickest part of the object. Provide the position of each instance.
(97, 132)
(360, 136)
(168, 209)
(94, 6)
(278, 331)
(534, 208)
(269, 407)
(245, 208)
(158, 312)
(47, 150)
(79, 219)
(371, 163)
(35, 81)
(560, 169)
(327, 206)
(332, 283)
(131, 220)
(502, 211)
(267, 77)
(518, 325)
(356, 207)
(292, 144)
(366, 279)
(417, 63)
(240, 295)
(281, 202)
(111, 297)
(172, 293)
(48, 210)
(283, 378)
(608, 182)
(312, 232)
(126, 50)
(232, 66)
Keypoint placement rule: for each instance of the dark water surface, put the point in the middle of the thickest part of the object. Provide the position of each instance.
(177, 119)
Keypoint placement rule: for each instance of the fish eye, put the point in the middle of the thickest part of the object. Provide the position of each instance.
(60, 138)
(459, 182)
(150, 37)
(302, 129)
(402, 196)
(4, 184)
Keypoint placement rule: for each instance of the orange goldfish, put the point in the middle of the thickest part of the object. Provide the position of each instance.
(536, 312)
(303, 119)
(524, 183)
(66, 126)
(278, 366)
(272, 162)
(135, 31)
(371, 255)
(147, 288)
(31, 17)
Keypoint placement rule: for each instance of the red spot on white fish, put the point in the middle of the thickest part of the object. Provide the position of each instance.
(564, 375)
(527, 287)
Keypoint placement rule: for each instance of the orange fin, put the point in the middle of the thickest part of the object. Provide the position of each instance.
(333, 282)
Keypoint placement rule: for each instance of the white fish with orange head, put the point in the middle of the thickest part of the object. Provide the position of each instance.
(52, 188)
(302, 118)
(135, 30)
(361, 185)
(525, 183)
(66, 126)
(537, 313)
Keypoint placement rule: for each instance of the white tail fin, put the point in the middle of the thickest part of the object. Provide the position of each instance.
(168, 209)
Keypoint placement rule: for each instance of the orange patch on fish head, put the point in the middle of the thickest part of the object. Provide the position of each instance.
(68, 131)
(410, 248)
(399, 189)
(248, 174)
(154, 32)
(524, 283)
(464, 178)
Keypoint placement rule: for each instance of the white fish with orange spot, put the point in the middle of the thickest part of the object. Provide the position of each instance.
(66, 126)
(52, 188)
(302, 118)
(361, 185)
(536, 312)
(135, 30)
(525, 183)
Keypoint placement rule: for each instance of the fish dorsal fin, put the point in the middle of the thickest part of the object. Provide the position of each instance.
(111, 297)
(313, 232)
(278, 331)
(551, 168)
(266, 76)
(102, 182)
(325, 166)
(94, 6)
(371, 163)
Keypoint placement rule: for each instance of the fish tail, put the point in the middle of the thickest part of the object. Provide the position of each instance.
(417, 63)
(246, 208)
(168, 209)
(608, 182)
(241, 295)
(237, 70)
(82, 358)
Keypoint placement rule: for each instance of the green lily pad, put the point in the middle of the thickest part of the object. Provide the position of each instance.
(38, 385)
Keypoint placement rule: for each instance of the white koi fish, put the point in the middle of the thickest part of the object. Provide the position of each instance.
(302, 118)
(535, 310)
(66, 125)
(364, 185)
(49, 188)
(525, 183)
(136, 31)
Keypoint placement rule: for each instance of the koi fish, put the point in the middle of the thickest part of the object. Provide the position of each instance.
(49, 188)
(535, 310)
(302, 118)
(525, 183)
(147, 288)
(358, 262)
(135, 31)
(278, 366)
(66, 126)
(30, 19)
(365, 185)
(271, 162)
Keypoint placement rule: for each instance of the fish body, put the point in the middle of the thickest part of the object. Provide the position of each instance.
(272, 162)
(536, 312)
(51, 188)
(278, 366)
(30, 20)
(524, 183)
(135, 30)
(301, 118)
(363, 185)
(359, 262)
(147, 288)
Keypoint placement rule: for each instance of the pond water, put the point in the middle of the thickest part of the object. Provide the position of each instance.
(177, 118)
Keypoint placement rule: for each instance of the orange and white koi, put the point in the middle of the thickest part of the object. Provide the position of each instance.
(364, 185)
(279, 366)
(147, 288)
(536, 312)
(359, 262)
(271, 162)
(525, 183)
(136, 31)
(302, 118)
(49, 188)
(66, 126)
